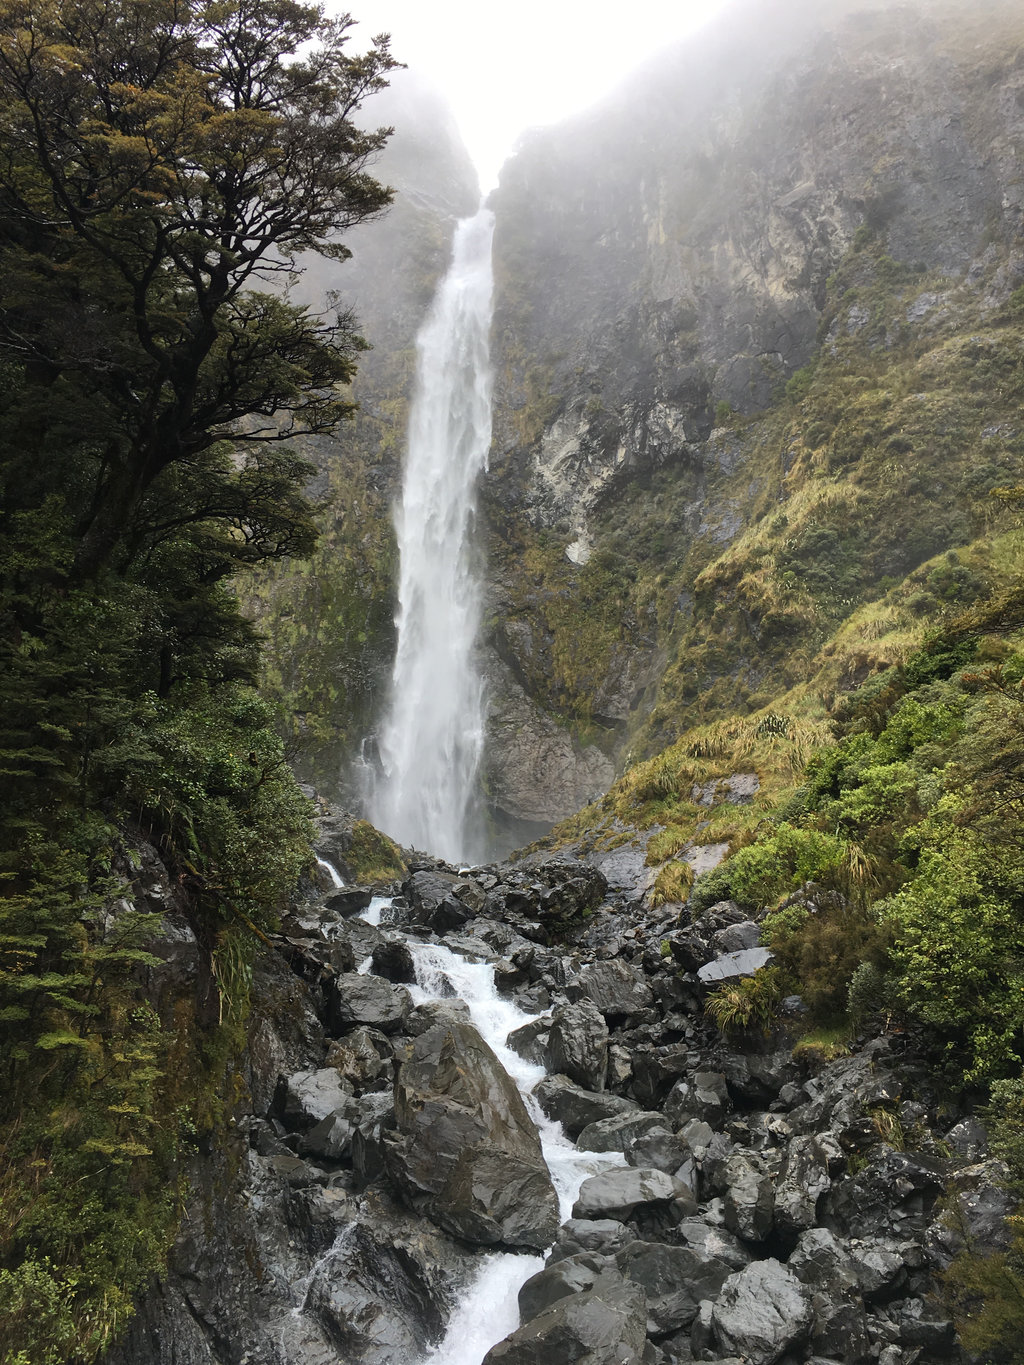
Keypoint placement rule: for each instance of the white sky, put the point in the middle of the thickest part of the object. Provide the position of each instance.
(507, 65)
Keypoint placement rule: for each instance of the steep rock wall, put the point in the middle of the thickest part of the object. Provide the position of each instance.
(666, 265)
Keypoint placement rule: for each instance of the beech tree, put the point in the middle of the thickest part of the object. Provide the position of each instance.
(161, 161)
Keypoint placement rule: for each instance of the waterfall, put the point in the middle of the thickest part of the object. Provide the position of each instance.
(432, 740)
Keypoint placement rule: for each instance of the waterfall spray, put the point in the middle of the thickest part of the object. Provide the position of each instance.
(432, 740)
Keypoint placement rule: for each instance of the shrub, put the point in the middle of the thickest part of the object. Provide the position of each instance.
(747, 1002)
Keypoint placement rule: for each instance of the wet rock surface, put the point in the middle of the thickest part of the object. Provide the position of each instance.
(758, 1213)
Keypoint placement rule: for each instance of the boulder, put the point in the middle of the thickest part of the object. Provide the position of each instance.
(616, 988)
(731, 966)
(348, 901)
(749, 1196)
(758, 1078)
(674, 1280)
(574, 1107)
(570, 1275)
(619, 1193)
(704, 1096)
(804, 1179)
(710, 1242)
(603, 1235)
(362, 1057)
(433, 901)
(822, 1261)
(578, 1044)
(377, 1302)
(656, 1070)
(665, 1151)
(736, 938)
(362, 999)
(603, 1325)
(619, 1132)
(465, 1150)
(689, 948)
(839, 1331)
(761, 1312)
(978, 1208)
(306, 1097)
(893, 1196)
(393, 960)
(531, 1041)
(333, 1137)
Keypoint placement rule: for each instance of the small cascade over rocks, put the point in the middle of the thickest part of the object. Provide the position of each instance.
(423, 791)
(523, 1066)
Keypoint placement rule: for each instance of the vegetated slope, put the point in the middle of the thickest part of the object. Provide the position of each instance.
(807, 614)
(150, 827)
(758, 357)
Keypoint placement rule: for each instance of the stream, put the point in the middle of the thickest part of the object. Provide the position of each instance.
(489, 1309)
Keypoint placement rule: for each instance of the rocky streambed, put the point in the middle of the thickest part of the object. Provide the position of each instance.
(387, 1182)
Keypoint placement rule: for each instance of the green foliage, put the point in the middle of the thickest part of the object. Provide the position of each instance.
(987, 1297)
(372, 856)
(750, 1002)
(147, 393)
(775, 866)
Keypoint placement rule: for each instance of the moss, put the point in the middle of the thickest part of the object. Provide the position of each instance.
(372, 857)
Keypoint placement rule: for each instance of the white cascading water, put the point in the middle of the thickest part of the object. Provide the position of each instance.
(432, 740)
(489, 1310)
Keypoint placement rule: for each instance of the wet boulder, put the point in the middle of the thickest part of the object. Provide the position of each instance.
(616, 988)
(674, 1279)
(736, 938)
(704, 1095)
(665, 1151)
(710, 1242)
(762, 1311)
(602, 1235)
(573, 1107)
(568, 1275)
(348, 901)
(578, 1044)
(531, 1040)
(392, 960)
(376, 1303)
(603, 1325)
(656, 1070)
(355, 999)
(619, 1132)
(749, 1196)
(805, 1177)
(362, 1057)
(434, 901)
(332, 1137)
(733, 966)
(465, 1150)
(305, 1098)
(620, 1193)
(976, 1216)
(893, 1196)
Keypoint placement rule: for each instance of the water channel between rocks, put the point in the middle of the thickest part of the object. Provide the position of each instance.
(489, 1308)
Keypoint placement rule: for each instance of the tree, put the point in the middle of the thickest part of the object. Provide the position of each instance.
(158, 160)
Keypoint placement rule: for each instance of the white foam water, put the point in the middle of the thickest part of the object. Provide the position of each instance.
(431, 744)
(489, 1308)
(331, 871)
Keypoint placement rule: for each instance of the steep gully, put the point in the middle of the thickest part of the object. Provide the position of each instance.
(423, 791)
(391, 1187)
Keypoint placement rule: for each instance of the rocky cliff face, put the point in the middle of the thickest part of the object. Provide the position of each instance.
(666, 264)
(671, 251)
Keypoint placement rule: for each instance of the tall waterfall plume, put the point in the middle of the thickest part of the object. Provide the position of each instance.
(432, 740)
